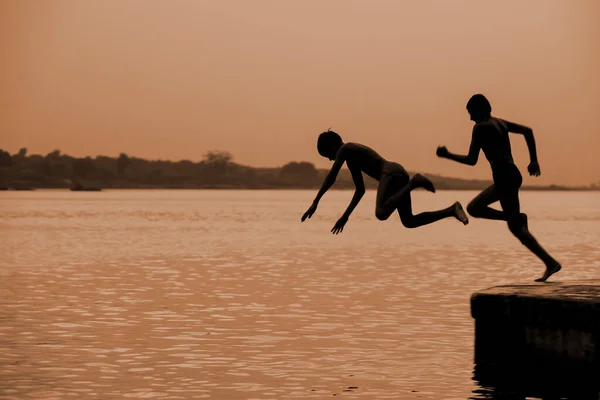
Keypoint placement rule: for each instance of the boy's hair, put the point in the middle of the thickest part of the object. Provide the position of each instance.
(327, 140)
(479, 104)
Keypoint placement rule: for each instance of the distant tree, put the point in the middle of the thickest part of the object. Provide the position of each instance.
(122, 163)
(218, 157)
(104, 174)
(82, 167)
(53, 154)
(303, 173)
(60, 170)
(217, 163)
(299, 168)
(155, 175)
(5, 158)
(22, 153)
(46, 168)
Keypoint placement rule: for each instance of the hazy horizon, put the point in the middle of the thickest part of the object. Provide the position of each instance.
(173, 80)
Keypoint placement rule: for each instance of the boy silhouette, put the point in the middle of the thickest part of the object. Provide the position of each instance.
(490, 134)
(393, 192)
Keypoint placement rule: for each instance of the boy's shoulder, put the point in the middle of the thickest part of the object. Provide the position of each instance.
(356, 146)
(357, 151)
(491, 122)
(348, 146)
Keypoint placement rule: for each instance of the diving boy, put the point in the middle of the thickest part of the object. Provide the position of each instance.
(393, 192)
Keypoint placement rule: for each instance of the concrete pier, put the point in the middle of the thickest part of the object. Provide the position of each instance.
(542, 339)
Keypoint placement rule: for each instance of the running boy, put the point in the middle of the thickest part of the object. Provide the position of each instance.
(490, 134)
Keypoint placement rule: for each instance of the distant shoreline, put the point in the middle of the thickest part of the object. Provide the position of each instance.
(216, 171)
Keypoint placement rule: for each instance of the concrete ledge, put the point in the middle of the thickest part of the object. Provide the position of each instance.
(543, 335)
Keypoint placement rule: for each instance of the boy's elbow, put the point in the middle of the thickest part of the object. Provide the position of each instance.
(527, 132)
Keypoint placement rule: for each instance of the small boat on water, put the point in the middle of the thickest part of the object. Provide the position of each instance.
(78, 187)
(90, 189)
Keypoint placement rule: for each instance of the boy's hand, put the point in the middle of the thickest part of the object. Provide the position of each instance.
(442, 151)
(310, 211)
(534, 169)
(339, 225)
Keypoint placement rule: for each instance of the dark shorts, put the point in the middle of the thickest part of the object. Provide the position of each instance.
(393, 178)
(396, 172)
(507, 178)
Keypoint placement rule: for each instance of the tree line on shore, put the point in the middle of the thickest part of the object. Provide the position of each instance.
(216, 170)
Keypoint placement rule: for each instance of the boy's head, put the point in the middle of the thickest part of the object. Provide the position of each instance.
(479, 108)
(328, 144)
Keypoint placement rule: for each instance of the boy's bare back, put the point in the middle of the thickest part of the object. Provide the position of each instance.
(362, 158)
(491, 136)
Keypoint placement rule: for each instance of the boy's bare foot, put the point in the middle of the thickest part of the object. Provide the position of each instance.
(551, 269)
(460, 214)
(419, 181)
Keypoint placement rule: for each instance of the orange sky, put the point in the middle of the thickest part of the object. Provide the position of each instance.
(174, 79)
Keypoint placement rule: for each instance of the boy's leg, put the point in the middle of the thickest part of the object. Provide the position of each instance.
(410, 220)
(479, 206)
(518, 227)
(389, 184)
(393, 194)
(417, 181)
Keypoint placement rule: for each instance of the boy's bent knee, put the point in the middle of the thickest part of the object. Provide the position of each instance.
(515, 227)
(473, 210)
(409, 222)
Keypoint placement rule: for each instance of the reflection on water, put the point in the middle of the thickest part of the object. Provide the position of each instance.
(226, 295)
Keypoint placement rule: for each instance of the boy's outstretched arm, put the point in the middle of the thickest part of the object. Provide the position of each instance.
(358, 194)
(534, 167)
(469, 159)
(327, 183)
